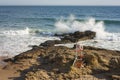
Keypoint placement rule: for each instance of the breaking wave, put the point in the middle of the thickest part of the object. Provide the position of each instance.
(25, 31)
(72, 25)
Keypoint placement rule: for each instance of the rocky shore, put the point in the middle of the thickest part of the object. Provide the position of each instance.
(49, 62)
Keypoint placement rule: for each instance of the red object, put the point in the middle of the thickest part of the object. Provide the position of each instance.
(79, 64)
(81, 56)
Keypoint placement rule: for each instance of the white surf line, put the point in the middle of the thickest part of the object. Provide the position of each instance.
(110, 45)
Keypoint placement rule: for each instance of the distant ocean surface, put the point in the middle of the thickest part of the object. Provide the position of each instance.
(22, 26)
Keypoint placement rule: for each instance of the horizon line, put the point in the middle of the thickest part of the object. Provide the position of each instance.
(59, 5)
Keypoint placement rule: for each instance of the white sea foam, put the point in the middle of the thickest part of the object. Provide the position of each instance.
(103, 38)
(72, 25)
(26, 31)
(16, 32)
(111, 45)
(17, 41)
(105, 44)
(18, 44)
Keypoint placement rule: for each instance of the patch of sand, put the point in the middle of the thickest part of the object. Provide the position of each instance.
(7, 74)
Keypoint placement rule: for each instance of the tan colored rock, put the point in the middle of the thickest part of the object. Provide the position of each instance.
(116, 77)
(55, 63)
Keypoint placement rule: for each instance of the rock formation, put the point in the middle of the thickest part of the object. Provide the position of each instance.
(55, 62)
(76, 36)
(49, 62)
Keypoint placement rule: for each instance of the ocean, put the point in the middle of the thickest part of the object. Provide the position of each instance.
(22, 26)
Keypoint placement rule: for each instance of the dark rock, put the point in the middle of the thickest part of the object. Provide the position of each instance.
(90, 34)
(76, 36)
(50, 43)
(33, 46)
(60, 35)
(86, 34)
(69, 38)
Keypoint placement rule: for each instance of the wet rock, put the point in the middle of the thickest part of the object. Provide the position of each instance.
(69, 38)
(76, 36)
(50, 43)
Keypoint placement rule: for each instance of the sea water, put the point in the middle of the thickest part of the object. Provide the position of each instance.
(22, 26)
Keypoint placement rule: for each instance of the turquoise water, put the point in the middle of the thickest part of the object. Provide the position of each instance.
(21, 26)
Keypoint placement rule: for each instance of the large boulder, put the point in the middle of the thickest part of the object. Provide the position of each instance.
(76, 36)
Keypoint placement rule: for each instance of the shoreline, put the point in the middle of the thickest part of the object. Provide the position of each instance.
(13, 74)
(2, 63)
(55, 62)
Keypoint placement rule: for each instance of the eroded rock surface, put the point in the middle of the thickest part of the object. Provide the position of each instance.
(49, 62)
(55, 62)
